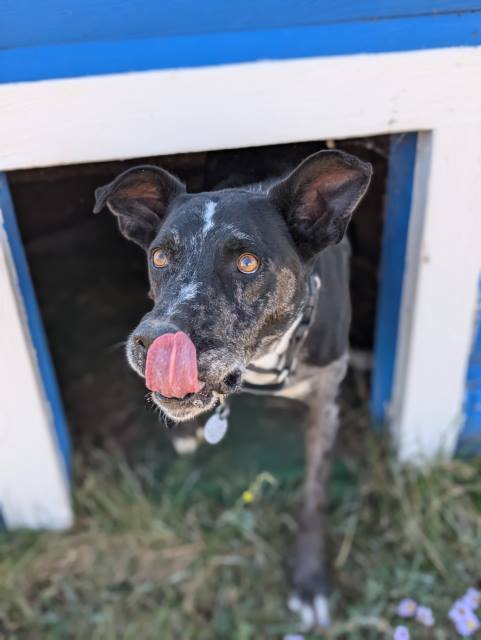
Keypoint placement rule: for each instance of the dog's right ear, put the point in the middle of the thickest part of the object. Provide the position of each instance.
(319, 197)
(139, 198)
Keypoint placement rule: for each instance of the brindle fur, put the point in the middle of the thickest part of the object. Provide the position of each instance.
(296, 227)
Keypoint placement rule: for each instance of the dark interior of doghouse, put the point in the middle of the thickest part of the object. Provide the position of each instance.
(91, 283)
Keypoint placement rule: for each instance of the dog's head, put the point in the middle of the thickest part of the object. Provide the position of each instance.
(228, 269)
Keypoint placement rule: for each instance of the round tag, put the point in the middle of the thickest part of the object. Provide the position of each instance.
(215, 429)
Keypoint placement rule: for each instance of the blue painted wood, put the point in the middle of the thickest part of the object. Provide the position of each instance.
(470, 438)
(26, 23)
(85, 56)
(34, 321)
(397, 207)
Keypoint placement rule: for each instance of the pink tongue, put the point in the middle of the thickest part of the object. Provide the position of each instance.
(171, 367)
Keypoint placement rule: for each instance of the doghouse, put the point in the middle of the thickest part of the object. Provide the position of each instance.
(91, 82)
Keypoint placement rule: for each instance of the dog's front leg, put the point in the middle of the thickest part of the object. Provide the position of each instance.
(186, 436)
(308, 561)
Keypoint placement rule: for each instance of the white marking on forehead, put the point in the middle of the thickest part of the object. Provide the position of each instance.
(209, 216)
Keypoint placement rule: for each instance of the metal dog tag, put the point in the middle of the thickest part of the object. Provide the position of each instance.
(216, 426)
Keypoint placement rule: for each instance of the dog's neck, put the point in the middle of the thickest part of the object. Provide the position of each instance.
(272, 368)
(264, 369)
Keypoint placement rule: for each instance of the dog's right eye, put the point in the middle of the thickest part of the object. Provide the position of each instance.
(160, 258)
(248, 263)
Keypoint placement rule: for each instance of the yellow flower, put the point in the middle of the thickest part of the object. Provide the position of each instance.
(248, 496)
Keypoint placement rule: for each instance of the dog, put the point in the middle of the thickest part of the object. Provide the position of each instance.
(250, 290)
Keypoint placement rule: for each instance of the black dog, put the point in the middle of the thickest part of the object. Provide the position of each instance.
(250, 291)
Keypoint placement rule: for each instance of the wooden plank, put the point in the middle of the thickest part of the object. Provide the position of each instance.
(61, 21)
(70, 121)
(88, 56)
(397, 207)
(33, 476)
(440, 293)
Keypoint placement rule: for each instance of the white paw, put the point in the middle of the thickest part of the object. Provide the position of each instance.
(312, 614)
(185, 446)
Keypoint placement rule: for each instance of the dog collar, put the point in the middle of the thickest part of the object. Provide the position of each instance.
(270, 379)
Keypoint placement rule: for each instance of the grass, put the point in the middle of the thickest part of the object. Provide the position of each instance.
(165, 548)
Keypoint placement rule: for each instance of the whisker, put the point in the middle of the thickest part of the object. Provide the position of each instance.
(117, 345)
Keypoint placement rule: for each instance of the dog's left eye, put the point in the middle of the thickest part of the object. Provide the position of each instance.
(248, 263)
(160, 258)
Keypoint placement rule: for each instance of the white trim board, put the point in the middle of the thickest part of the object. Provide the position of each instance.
(439, 294)
(171, 111)
(33, 485)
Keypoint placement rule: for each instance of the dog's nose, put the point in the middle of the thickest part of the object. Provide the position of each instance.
(147, 332)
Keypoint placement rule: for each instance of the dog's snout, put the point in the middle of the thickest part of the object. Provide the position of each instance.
(140, 341)
(143, 340)
(147, 332)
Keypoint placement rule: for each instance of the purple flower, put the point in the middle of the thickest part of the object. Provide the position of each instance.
(424, 615)
(407, 608)
(401, 633)
(472, 598)
(468, 625)
(464, 619)
(459, 611)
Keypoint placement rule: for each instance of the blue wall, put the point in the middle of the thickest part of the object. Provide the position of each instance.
(397, 208)
(470, 439)
(54, 38)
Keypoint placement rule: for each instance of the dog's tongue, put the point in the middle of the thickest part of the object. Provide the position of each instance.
(171, 367)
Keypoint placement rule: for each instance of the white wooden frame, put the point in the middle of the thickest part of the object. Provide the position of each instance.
(34, 489)
(91, 119)
(440, 293)
(171, 111)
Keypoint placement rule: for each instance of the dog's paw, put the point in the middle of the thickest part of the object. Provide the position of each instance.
(313, 613)
(185, 446)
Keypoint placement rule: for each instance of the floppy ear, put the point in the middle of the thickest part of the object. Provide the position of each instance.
(318, 198)
(139, 198)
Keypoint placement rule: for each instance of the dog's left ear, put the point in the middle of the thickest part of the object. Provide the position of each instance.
(139, 198)
(319, 197)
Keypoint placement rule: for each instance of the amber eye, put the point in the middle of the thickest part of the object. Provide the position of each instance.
(160, 258)
(248, 263)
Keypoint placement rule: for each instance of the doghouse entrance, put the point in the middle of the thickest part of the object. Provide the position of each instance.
(91, 283)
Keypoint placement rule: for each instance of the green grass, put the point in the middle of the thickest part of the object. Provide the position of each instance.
(164, 548)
